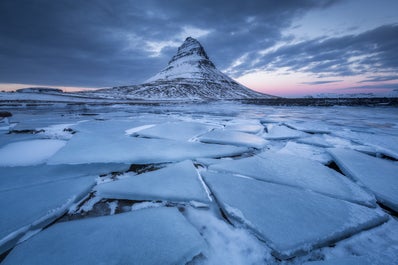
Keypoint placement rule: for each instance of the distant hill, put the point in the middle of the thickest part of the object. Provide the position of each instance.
(39, 90)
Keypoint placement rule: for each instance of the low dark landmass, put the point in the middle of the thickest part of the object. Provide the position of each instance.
(323, 101)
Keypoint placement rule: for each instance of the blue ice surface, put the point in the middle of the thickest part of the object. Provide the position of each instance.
(30, 208)
(176, 183)
(144, 237)
(378, 175)
(291, 221)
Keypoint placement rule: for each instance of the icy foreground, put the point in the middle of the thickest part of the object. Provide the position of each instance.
(284, 217)
(214, 183)
(147, 237)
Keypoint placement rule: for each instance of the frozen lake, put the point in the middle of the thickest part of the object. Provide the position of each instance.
(200, 183)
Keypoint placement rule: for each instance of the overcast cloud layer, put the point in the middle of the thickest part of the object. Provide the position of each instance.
(100, 43)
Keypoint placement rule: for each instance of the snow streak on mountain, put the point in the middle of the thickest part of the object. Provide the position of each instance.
(190, 74)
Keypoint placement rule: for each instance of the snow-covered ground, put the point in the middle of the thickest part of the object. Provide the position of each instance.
(199, 184)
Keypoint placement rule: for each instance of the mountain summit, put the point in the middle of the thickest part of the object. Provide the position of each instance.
(190, 74)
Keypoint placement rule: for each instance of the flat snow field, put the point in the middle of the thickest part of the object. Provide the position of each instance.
(198, 184)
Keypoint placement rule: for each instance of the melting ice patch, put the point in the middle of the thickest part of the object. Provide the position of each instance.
(27, 153)
(145, 237)
(290, 220)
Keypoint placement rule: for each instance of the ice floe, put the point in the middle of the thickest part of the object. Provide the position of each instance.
(92, 148)
(176, 183)
(307, 151)
(309, 126)
(182, 131)
(378, 175)
(280, 132)
(298, 172)
(17, 177)
(290, 220)
(27, 153)
(34, 207)
(145, 237)
(247, 126)
(233, 138)
(355, 260)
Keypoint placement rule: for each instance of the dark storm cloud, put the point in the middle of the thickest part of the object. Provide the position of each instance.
(105, 43)
(373, 51)
(379, 78)
(321, 82)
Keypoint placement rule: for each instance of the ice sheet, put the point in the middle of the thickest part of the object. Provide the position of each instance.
(298, 172)
(233, 138)
(309, 126)
(307, 151)
(177, 182)
(383, 143)
(27, 153)
(290, 220)
(182, 131)
(17, 177)
(378, 175)
(145, 237)
(34, 207)
(342, 261)
(92, 148)
(247, 126)
(279, 132)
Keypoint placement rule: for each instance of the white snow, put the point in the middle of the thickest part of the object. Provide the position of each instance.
(227, 244)
(145, 237)
(34, 207)
(290, 220)
(298, 172)
(378, 175)
(176, 183)
(233, 138)
(27, 153)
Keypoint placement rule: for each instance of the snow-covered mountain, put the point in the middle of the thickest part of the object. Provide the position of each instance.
(190, 74)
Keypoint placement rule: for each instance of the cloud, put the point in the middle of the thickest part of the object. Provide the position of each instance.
(321, 82)
(380, 78)
(392, 86)
(371, 52)
(110, 42)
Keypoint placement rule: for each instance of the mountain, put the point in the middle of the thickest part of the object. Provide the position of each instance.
(190, 74)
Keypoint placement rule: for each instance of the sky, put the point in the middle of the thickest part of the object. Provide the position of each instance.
(285, 48)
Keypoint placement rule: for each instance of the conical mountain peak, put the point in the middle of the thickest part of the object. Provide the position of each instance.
(190, 74)
(192, 50)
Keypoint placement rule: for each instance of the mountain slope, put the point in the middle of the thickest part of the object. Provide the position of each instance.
(190, 74)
